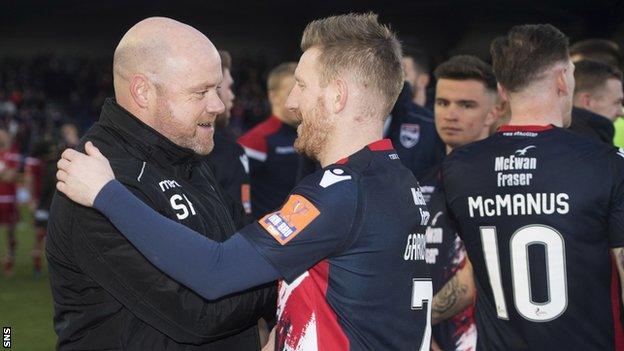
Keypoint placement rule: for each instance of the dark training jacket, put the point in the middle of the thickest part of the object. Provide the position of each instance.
(107, 296)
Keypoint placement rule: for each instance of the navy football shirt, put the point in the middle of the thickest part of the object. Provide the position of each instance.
(359, 225)
(538, 209)
(445, 256)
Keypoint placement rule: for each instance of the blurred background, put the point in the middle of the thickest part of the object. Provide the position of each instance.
(55, 72)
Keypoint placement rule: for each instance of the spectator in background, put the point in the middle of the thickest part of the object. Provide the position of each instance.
(413, 134)
(601, 50)
(40, 177)
(416, 69)
(608, 52)
(273, 163)
(228, 159)
(9, 216)
(69, 135)
(597, 99)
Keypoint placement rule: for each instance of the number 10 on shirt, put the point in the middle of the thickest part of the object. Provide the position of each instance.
(519, 244)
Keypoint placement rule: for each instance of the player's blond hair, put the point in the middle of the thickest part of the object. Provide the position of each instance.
(360, 45)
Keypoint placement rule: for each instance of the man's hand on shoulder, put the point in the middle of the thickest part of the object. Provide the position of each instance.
(81, 176)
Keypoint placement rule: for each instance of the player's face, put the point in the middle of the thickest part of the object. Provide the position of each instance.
(187, 101)
(279, 96)
(226, 94)
(607, 101)
(409, 71)
(463, 111)
(307, 102)
(70, 135)
(569, 77)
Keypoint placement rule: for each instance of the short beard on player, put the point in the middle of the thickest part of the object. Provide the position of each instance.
(313, 131)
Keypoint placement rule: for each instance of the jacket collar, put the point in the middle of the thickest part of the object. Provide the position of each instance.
(150, 143)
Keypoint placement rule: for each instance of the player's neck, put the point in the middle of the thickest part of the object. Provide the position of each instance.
(531, 113)
(347, 142)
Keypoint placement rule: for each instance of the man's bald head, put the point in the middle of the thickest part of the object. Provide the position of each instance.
(159, 48)
(166, 74)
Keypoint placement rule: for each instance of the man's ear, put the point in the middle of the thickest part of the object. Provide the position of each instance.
(582, 99)
(563, 88)
(139, 90)
(502, 92)
(339, 95)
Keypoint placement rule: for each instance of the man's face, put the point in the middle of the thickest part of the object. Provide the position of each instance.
(70, 135)
(307, 102)
(569, 98)
(226, 94)
(463, 111)
(188, 102)
(409, 71)
(225, 91)
(607, 100)
(278, 98)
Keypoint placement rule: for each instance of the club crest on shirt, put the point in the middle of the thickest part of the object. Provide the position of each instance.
(409, 135)
(290, 220)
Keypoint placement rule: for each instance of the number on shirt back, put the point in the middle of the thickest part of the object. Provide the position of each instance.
(422, 292)
(519, 244)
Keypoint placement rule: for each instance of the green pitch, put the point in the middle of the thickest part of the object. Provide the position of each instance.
(26, 302)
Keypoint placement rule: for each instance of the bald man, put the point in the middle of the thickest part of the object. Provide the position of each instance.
(107, 296)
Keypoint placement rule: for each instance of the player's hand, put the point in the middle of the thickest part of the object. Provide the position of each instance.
(80, 176)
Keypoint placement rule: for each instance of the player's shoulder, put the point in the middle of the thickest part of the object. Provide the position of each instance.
(468, 153)
(335, 183)
(257, 136)
(590, 148)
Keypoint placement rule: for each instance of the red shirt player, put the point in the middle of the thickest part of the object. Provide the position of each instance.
(9, 164)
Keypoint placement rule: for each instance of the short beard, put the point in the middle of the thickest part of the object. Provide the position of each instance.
(167, 125)
(313, 131)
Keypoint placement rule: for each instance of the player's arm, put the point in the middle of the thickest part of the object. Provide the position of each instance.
(616, 214)
(455, 296)
(209, 268)
(259, 253)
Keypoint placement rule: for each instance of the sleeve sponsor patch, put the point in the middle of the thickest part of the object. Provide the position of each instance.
(291, 219)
